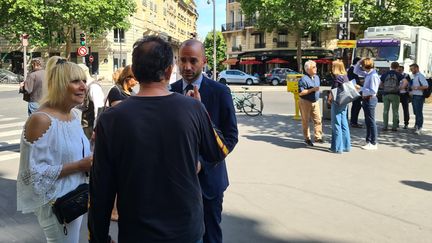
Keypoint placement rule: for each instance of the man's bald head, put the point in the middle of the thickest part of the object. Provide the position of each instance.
(195, 44)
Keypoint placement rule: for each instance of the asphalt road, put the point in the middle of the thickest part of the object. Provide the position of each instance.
(281, 191)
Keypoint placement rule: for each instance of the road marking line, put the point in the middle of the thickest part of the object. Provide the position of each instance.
(8, 119)
(9, 156)
(16, 124)
(10, 133)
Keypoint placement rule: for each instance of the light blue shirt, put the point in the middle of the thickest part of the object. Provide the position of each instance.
(418, 80)
(372, 80)
(194, 83)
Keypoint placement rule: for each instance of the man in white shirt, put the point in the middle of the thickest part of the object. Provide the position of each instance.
(418, 84)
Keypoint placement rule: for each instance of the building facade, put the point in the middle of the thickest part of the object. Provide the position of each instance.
(174, 20)
(254, 51)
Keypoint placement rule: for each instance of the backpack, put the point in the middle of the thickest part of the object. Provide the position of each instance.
(427, 92)
(391, 83)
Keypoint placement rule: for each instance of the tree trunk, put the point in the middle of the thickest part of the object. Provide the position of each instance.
(299, 51)
(68, 42)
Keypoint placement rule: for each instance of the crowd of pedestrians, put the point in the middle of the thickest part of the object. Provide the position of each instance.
(396, 88)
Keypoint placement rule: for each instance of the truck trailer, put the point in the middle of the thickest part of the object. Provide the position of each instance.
(397, 43)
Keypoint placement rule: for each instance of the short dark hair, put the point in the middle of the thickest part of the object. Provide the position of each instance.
(414, 65)
(151, 57)
(394, 65)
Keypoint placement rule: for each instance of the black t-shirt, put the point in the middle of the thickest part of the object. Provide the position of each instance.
(146, 151)
(117, 93)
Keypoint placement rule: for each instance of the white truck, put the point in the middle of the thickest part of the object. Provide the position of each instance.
(397, 43)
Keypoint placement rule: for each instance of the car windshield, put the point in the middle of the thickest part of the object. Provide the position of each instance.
(379, 53)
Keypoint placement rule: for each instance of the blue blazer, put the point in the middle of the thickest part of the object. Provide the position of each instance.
(217, 99)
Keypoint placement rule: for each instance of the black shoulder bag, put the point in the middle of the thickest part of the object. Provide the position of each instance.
(72, 205)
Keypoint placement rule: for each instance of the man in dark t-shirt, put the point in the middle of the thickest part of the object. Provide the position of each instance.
(147, 151)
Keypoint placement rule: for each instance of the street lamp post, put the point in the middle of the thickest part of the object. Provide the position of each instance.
(214, 37)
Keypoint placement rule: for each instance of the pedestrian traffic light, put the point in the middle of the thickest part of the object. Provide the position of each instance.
(83, 39)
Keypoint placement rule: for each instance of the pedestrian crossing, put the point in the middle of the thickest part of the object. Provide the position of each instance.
(427, 118)
(10, 134)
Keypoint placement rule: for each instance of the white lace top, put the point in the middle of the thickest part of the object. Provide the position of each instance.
(41, 163)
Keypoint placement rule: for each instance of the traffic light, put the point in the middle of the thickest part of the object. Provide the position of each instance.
(83, 39)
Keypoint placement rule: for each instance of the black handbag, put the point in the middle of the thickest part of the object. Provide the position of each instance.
(72, 205)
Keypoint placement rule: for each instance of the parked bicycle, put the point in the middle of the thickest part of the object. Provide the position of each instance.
(249, 102)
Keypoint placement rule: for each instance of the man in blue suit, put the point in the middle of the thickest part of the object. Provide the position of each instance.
(217, 99)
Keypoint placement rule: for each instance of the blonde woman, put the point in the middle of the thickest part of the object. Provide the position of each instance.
(341, 141)
(55, 154)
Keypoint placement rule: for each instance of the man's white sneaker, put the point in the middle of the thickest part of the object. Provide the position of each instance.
(370, 146)
(418, 131)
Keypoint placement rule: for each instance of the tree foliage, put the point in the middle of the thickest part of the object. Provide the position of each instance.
(394, 12)
(221, 49)
(50, 21)
(293, 15)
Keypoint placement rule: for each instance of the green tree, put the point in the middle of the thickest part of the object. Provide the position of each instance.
(221, 49)
(50, 22)
(394, 12)
(295, 16)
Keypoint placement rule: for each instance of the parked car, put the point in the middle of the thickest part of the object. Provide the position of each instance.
(278, 76)
(8, 77)
(234, 76)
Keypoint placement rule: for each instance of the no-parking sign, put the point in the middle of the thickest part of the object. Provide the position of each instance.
(82, 51)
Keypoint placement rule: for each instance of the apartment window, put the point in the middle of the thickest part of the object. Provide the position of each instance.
(282, 39)
(116, 60)
(315, 39)
(119, 35)
(144, 3)
(259, 40)
(232, 16)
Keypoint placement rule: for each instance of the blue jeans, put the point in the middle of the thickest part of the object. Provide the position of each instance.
(369, 112)
(32, 107)
(341, 140)
(417, 103)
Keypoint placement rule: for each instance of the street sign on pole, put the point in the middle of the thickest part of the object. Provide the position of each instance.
(82, 51)
(91, 58)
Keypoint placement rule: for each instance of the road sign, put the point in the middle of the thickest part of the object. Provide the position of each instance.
(82, 51)
(91, 58)
(346, 43)
(24, 39)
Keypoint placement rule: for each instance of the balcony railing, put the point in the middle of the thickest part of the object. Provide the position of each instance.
(282, 44)
(260, 45)
(240, 25)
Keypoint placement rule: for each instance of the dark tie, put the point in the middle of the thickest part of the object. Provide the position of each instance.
(188, 87)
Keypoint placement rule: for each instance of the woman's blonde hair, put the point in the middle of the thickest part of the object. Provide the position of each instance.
(58, 75)
(368, 63)
(116, 74)
(338, 68)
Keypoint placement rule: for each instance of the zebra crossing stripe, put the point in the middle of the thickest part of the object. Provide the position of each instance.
(15, 124)
(10, 133)
(8, 119)
(9, 156)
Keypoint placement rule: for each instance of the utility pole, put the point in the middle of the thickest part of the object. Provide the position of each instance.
(348, 13)
(214, 40)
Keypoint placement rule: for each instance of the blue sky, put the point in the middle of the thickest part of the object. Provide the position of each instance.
(205, 19)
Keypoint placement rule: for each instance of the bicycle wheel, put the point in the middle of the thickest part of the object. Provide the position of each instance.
(253, 105)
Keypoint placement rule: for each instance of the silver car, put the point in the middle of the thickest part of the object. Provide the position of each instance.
(8, 77)
(234, 76)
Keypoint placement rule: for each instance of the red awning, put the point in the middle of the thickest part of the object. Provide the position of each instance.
(250, 62)
(277, 61)
(323, 61)
(231, 61)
